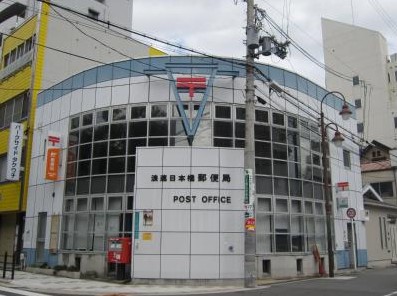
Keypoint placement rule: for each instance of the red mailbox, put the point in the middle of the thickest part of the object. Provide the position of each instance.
(119, 250)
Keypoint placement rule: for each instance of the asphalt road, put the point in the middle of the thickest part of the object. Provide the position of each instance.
(375, 282)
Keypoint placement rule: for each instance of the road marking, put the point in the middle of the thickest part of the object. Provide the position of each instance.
(392, 293)
(20, 292)
(343, 278)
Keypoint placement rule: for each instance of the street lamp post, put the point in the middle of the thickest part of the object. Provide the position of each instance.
(337, 140)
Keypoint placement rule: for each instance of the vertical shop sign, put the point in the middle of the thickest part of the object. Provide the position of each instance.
(15, 142)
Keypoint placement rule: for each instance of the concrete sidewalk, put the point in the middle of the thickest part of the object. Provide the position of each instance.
(55, 285)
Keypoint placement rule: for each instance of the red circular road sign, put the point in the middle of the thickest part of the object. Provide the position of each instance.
(351, 213)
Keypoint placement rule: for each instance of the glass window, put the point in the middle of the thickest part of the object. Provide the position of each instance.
(159, 111)
(118, 130)
(130, 202)
(25, 107)
(262, 149)
(130, 183)
(294, 170)
(84, 167)
(281, 186)
(82, 204)
(158, 142)
(308, 207)
(356, 80)
(119, 114)
(223, 129)
(102, 116)
(97, 204)
(240, 113)
(98, 184)
(99, 166)
(319, 209)
(263, 166)
(279, 135)
(18, 102)
(2, 115)
(87, 119)
(101, 132)
(293, 153)
(116, 165)
(296, 206)
(295, 187)
(138, 129)
(262, 132)
(223, 142)
(9, 111)
(264, 204)
(158, 128)
(131, 164)
(118, 147)
(132, 144)
(261, 116)
(279, 151)
(281, 205)
(74, 138)
(360, 127)
(74, 122)
(100, 149)
(83, 185)
(176, 128)
(263, 185)
(278, 118)
(85, 151)
(307, 189)
(293, 138)
(346, 158)
(116, 183)
(138, 112)
(239, 130)
(223, 112)
(69, 205)
(357, 103)
(86, 135)
(71, 170)
(292, 122)
(70, 187)
(280, 168)
(115, 203)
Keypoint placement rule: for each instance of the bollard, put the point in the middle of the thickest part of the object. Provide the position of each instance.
(5, 265)
(13, 266)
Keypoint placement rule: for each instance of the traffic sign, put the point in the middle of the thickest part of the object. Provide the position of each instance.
(351, 213)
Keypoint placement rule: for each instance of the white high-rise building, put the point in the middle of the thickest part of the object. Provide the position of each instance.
(367, 77)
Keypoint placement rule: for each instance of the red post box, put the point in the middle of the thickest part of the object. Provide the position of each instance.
(119, 250)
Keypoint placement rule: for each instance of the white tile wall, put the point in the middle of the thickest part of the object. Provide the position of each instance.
(146, 266)
(204, 266)
(175, 243)
(175, 266)
(88, 101)
(205, 243)
(120, 91)
(75, 102)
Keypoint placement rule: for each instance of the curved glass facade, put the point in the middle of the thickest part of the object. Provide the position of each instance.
(101, 161)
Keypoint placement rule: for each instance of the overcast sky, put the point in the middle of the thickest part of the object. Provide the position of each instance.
(216, 26)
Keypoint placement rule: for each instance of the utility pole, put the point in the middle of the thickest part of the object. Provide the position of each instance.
(249, 150)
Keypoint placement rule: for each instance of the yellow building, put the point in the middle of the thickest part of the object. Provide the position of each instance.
(46, 45)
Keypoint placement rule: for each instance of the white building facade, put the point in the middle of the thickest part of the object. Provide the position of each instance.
(366, 76)
(125, 130)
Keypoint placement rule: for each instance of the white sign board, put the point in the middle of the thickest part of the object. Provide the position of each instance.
(15, 142)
